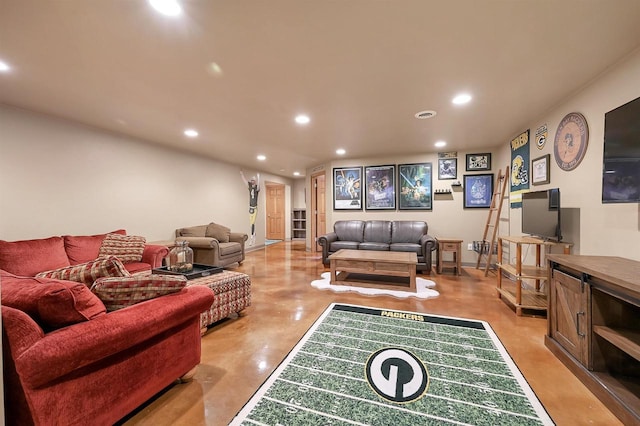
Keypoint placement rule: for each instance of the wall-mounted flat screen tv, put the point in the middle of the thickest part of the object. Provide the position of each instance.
(541, 214)
(621, 163)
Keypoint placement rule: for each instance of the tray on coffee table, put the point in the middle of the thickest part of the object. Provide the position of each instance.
(198, 271)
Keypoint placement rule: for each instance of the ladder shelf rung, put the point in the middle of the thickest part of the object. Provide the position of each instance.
(495, 206)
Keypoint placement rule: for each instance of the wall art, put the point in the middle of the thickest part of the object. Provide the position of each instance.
(347, 188)
(415, 184)
(380, 187)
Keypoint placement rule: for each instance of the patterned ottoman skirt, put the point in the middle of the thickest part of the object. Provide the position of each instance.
(233, 294)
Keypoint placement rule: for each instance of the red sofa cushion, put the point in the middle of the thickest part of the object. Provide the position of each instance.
(135, 267)
(88, 272)
(28, 257)
(51, 303)
(81, 249)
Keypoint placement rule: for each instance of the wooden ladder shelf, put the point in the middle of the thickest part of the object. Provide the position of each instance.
(493, 222)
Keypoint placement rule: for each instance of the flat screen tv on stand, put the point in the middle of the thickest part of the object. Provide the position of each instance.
(541, 214)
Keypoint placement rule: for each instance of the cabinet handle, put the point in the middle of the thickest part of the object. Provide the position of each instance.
(578, 323)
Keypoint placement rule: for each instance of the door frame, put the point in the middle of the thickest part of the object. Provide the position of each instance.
(314, 246)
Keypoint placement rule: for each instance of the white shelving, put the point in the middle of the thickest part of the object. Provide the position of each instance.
(299, 224)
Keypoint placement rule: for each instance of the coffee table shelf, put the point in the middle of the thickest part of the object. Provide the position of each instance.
(376, 269)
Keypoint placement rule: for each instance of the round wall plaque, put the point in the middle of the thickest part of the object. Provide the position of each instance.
(571, 141)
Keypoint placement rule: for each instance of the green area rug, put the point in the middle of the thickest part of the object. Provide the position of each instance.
(365, 366)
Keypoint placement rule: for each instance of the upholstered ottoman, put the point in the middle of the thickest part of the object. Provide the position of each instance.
(233, 294)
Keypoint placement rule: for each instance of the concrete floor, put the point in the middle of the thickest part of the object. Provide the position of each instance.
(239, 354)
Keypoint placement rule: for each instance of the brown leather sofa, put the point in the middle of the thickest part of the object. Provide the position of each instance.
(214, 244)
(382, 235)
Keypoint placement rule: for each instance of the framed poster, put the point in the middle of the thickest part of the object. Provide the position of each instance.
(478, 162)
(415, 185)
(540, 170)
(347, 188)
(478, 191)
(380, 187)
(447, 168)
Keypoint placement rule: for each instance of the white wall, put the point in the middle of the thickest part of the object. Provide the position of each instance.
(58, 177)
(448, 219)
(299, 195)
(604, 229)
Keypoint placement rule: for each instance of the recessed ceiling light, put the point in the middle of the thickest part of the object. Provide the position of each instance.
(341, 151)
(215, 70)
(296, 173)
(166, 7)
(4, 67)
(191, 133)
(261, 157)
(302, 119)
(423, 115)
(461, 99)
(440, 144)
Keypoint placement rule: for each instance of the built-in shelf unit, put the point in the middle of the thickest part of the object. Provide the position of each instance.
(299, 224)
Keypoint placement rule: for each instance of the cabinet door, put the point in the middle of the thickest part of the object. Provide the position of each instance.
(568, 316)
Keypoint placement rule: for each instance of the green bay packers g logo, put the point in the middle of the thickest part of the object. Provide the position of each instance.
(397, 375)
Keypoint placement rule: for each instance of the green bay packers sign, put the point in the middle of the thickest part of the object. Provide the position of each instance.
(541, 136)
(396, 375)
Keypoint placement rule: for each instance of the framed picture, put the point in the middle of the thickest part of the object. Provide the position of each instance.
(478, 162)
(478, 191)
(540, 170)
(380, 188)
(415, 186)
(347, 188)
(447, 168)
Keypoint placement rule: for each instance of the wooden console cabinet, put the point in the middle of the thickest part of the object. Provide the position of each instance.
(594, 326)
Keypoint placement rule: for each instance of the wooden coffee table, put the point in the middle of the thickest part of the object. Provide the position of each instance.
(377, 269)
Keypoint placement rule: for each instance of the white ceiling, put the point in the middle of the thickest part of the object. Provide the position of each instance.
(360, 68)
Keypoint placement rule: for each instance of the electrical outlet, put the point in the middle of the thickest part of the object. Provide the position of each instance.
(470, 246)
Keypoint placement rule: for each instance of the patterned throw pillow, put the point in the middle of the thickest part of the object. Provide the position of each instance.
(127, 248)
(88, 272)
(219, 232)
(118, 293)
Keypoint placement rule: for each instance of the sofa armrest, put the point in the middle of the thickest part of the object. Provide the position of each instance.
(154, 254)
(201, 242)
(325, 241)
(428, 243)
(20, 331)
(72, 348)
(238, 237)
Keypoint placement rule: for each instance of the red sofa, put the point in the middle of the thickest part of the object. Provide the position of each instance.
(28, 257)
(69, 361)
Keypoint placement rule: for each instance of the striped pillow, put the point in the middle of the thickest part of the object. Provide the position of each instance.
(118, 293)
(88, 272)
(127, 248)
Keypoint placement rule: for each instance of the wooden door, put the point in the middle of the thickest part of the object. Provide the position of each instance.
(275, 211)
(318, 209)
(568, 316)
